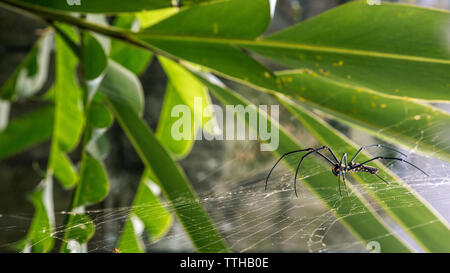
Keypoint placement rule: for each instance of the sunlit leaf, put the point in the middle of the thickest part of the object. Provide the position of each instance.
(69, 117)
(151, 17)
(178, 148)
(63, 168)
(183, 89)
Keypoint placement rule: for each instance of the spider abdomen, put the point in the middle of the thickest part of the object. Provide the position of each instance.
(368, 169)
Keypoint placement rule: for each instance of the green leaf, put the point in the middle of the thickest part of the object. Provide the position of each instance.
(131, 57)
(39, 238)
(425, 226)
(31, 75)
(176, 187)
(211, 41)
(178, 148)
(382, 116)
(355, 43)
(370, 46)
(148, 212)
(151, 17)
(183, 89)
(99, 115)
(94, 185)
(352, 210)
(120, 83)
(68, 98)
(94, 57)
(80, 230)
(26, 131)
(99, 6)
(63, 168)
(69, 117)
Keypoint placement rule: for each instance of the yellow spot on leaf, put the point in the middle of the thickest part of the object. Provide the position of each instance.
(267, 74)
(324, 72)
(300, 98)
(373, 104)
(383, 105)
(215, 28)
(340, 63)
(359, 90)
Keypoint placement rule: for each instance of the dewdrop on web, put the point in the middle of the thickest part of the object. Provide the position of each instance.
(227, 126)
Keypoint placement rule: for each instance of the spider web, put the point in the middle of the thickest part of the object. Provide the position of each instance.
(253, 220)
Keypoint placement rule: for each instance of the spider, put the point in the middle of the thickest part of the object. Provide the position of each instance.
(341, 167)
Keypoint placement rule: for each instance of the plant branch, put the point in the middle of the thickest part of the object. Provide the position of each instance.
(48, 16)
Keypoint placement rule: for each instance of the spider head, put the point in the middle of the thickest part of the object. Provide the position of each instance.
(335, 170)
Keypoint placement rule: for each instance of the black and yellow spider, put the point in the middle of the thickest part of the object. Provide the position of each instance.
(340, 168)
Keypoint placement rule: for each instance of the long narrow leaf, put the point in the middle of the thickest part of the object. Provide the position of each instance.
(419, 219)
(176, 187)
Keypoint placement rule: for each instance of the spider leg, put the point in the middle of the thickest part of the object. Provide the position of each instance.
(391, 158)
(343, 173)
(378, 146)
(331, 151)
(339, 183)
(301, 160)
(382, 179)
(278, 161)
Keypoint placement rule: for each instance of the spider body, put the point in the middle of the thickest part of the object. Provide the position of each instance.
(353, 167)
(341, 167)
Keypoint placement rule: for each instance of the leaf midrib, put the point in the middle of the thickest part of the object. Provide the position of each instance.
(288, 45)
